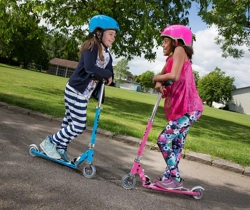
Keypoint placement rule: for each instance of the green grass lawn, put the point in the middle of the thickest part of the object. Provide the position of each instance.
(218, 132)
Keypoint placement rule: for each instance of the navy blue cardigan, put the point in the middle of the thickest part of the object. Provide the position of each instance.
(86, 67)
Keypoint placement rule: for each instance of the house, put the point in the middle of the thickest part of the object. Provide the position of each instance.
(62, 67)
(241, 100)
(129, 84)
(65, 68)
(218, 105)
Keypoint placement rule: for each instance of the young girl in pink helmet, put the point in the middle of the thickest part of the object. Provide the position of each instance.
(182, 105)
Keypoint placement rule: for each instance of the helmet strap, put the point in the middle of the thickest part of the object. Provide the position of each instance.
(106, 48)
(100, 39)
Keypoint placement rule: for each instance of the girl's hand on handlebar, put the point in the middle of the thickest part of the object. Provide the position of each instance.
(109, 81)
(159, 87)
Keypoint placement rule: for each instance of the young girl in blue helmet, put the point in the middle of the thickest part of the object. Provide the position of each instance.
(182, 105)
(95, 62)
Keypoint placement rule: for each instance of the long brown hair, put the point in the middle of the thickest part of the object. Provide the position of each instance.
(89, 45)
(188, 49)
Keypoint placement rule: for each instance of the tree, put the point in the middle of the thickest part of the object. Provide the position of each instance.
(140, 21)
(196, 77)
(216, 86)
(233, 21)
(21, 38)
(146, 79)
(60, 46)
(137, 79)
(121, 70)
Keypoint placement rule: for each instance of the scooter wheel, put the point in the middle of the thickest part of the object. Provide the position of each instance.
(33, 147)
(199, 190)
(128, 181)
(89, 171)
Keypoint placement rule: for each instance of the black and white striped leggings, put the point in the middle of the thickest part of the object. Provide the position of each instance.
(75, 118)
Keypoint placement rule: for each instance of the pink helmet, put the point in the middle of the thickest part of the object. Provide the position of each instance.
(178, 32)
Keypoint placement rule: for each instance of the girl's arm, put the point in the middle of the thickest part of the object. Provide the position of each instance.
(164, 68)
(89, 60)
(179, 57)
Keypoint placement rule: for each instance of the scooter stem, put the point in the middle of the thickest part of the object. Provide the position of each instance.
(148, 128)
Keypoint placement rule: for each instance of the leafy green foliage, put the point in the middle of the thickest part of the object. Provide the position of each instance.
(140, 21)
(146, 79)
(233, 21)
(20, 36)
(137, 79)
(121, 70)
(196, 77)
(216, 86)
(61, 46)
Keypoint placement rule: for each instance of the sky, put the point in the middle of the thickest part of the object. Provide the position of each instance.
(207, 55)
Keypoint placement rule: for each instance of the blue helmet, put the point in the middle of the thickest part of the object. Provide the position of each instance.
(104, 22)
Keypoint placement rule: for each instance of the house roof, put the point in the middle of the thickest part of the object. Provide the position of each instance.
(243, 87)
(64, 63)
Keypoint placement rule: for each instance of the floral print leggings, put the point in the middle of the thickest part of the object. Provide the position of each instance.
(172, 139)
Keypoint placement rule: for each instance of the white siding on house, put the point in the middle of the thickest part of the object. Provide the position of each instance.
(129, 86)
(241, 100)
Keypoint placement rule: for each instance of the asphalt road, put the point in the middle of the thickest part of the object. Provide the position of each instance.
(28, 182)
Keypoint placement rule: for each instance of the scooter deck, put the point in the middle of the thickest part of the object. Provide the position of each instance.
(61, 161)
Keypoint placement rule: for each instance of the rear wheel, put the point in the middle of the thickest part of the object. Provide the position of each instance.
(33, 147)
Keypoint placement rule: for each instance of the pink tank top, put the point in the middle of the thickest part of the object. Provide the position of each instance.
(182, 96)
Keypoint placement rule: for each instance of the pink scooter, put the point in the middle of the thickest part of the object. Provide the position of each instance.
(129, 180)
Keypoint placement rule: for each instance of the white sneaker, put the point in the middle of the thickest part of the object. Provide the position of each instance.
(49, 149)
(63, 155)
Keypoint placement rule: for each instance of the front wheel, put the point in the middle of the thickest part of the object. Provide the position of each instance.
(128, 181)
(198, 189)
(89, 171)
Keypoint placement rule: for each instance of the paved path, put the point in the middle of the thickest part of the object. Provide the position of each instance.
(34, 183)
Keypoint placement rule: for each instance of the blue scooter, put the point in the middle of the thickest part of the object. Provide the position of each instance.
(89, 170)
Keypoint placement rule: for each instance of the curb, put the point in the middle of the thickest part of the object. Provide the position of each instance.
(193, 156)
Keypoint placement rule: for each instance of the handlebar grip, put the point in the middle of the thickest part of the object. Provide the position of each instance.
(167, 83)
(105, 81)
(97, 77)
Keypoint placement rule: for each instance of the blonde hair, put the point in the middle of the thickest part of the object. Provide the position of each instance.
(89, 45)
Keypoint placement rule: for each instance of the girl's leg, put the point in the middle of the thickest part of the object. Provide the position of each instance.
(66, 119)
(74, 122)
(172, 140)
(177, 147)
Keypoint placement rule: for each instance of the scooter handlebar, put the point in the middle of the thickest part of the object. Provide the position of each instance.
(97, 77)
(167, 83)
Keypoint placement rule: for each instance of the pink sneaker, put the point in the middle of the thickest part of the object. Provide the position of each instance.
(170, 184)
(155, 181)
(159, 179)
